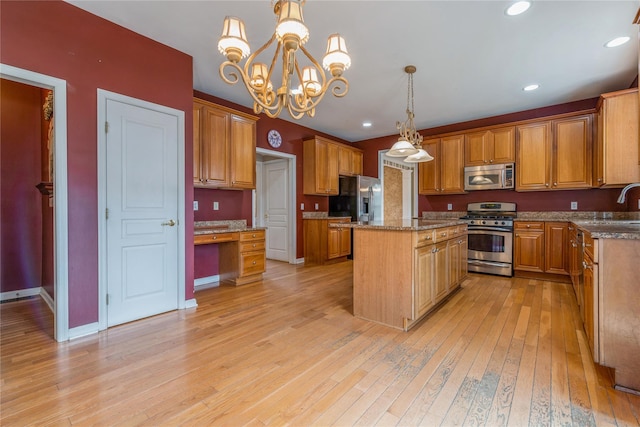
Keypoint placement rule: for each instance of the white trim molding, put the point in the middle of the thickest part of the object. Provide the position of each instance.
(20, 293)
(60, 190)
(84, 330)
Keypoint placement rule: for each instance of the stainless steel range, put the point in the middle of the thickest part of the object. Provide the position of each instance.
(491, 237)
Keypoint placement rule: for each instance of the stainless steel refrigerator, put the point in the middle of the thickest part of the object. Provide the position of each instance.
(359, 197)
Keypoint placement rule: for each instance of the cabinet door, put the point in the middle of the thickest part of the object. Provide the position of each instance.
(440, 271)
(243, 153)
(590, 285)
(333, 243)
(357, 162)
(423, 291)
(332, 174)
(429, 172)
(197, 142)
(345, 161)
(453, 253)
(528, 251)
(464, 255)
(533, 149)
(345, 241)
(504, 144)
(452, 164)
(555, 240)
(571, 155)
(215, 147)
(477, 148)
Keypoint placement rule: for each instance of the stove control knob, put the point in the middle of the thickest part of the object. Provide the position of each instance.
(484, 222)
(504, 223)
(495, 223)
(472, 222)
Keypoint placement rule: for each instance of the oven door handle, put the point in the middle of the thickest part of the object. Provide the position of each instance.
(492, 263)
(498, 229)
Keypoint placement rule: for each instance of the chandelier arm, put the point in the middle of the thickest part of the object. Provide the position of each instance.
(316, 64)
(337, 91)
(245, 79)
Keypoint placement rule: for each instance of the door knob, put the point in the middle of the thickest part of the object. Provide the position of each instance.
(170, 223)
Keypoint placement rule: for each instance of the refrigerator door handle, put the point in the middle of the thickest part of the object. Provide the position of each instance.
(371, 209)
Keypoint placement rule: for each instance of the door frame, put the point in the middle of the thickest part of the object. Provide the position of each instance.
(103, 96)
(60, 306)
(382, 156)
(291, 164)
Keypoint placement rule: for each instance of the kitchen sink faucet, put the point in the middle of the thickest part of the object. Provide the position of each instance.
(623, 194)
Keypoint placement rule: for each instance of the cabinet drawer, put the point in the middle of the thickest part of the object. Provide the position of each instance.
(425, 237)
(203, 239)
(252, 263)
(532, 226)
(252, 235)
(248, 246)
(591, 246)
(441, 234)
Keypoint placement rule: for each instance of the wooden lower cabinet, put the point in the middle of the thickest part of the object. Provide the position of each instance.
(419, 270)
(590, 284)
(245, 261)
(528, 246)
(556, 236)
(324, 244)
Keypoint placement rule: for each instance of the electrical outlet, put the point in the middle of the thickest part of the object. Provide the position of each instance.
(574, 206)
(316, 206)
(195, 205)
(449, 206)
(216, 206)
(301, 206)
(638, 203)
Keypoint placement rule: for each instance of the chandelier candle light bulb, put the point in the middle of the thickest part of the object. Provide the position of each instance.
(290, 35)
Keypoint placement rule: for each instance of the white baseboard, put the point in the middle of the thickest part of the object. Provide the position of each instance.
(206, 282)
(299, 261)
(20, 293)
(84, 330)
(190, 303)
(47, 298)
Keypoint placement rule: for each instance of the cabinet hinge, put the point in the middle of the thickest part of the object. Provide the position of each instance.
(107, 299)
(106, 213)
(106, 127)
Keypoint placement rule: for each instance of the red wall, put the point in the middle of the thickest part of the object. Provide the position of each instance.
(61, 40)
(588, 200)
(21, 205)
(237, 204)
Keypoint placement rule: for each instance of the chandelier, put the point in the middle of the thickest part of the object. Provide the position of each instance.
(409, 143)
(290, 35)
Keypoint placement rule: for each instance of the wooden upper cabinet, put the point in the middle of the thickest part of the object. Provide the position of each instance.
(445, 173)
(554, 154)
(224, 147)
(617, 149)
(243, 153)
(349, 161)
(571, 154)
(533, 151)
(491, 146)
(320, 167)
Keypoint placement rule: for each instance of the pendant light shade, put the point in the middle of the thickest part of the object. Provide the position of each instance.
(420, 156)
(402, 148)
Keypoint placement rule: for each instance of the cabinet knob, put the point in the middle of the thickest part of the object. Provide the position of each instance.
(215, 237)
(599, 179)
(555, 184)
(254, 245)
(546, 185)
(254, 263)
(528, 225)
(491, 161)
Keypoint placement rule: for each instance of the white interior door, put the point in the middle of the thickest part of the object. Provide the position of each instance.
(276, 208)
(142, 212)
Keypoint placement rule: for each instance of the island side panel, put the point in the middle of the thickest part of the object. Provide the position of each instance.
(382, 275)
(619, 314)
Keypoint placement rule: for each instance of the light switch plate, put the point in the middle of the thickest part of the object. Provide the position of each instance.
(216, 206)
(195, 205)
(449, 206)
(316, 206)
(574, 206)
(301, 206)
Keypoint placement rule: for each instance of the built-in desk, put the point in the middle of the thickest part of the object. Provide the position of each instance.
(242, 256)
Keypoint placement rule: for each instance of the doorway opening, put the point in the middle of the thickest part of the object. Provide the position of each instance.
(274, 201)
(399, 187)
(58, 86)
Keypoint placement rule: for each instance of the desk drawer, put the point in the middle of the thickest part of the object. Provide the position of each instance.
(203, 239)
(256, 245)
(252, 235)
(252, 263)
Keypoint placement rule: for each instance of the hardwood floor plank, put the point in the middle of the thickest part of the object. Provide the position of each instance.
(288, 351)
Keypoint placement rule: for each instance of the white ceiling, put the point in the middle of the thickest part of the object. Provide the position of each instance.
(472, 59)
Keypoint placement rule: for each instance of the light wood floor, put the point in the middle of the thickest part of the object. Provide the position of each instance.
(288, 351)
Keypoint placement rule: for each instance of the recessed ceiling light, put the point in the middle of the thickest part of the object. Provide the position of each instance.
(529, 88)
(518, 7)
(617, 41)
(366, 124)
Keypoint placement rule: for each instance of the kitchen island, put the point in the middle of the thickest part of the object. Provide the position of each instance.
(404, 269)
(611, 289)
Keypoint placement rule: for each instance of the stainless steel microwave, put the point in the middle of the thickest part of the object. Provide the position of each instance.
(490, 177)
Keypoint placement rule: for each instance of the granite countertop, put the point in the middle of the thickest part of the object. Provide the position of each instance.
(611, 229)
(401, 224)
(215, 227)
